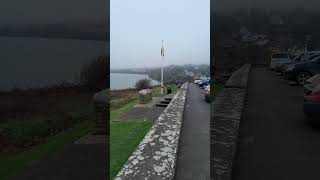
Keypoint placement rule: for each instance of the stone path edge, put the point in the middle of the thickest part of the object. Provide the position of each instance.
(155, 156)
(227, 110)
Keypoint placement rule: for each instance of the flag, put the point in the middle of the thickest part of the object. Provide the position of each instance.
(162, 50)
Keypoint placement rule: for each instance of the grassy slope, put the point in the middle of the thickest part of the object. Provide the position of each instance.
(123, 109)
(11, 164)
(124, 138)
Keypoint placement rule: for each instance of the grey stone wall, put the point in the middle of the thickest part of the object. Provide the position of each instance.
(239, 78)
(155, 157)
(145, 96)
(226, 114)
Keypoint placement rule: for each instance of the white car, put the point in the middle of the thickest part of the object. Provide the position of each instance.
(278, 58)
(196, 81)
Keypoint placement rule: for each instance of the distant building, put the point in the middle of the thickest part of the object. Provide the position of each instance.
(279, 33)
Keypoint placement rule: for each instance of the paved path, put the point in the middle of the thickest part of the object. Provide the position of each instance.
(275, 140)
(77, 161)
(194, 149)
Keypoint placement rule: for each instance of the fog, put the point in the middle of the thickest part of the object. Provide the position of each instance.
(137, 28)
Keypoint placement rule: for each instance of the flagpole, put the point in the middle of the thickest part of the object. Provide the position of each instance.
(162, 59)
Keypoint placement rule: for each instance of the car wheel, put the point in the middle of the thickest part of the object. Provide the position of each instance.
(303, 77)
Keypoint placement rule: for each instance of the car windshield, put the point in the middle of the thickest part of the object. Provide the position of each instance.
(282, 55)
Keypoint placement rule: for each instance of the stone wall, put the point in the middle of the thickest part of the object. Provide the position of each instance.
(155, 157)
(226, 114)
(145, 96)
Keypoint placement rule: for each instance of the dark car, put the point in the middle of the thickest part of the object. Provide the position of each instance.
(204, 83)
(300, 57)
(311, 105)
(302, 71)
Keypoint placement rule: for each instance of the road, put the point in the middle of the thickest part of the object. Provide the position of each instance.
(276, 142)
(193, 160)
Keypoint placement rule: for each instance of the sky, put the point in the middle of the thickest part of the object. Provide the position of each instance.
(138, 27)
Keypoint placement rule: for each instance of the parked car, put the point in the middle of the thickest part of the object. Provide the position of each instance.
(203, 83)
(207, 95)
(302, 71)
(278, 57)
(197, 81)
(296, 59)
(311, 83)
(207, 87)
(311, 105)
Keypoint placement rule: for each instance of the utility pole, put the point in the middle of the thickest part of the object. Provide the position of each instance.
(162, 61)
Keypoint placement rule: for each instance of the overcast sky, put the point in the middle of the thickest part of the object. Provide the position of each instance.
(137, 28)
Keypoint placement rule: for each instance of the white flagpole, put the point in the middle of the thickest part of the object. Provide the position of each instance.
(162, 59)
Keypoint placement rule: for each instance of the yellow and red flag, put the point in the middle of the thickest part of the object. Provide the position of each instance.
(162, 50)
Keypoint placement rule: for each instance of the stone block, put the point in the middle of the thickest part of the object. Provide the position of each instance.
(145, 96)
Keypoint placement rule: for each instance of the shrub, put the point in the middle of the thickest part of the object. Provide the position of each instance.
(143, 84)
(95, 75)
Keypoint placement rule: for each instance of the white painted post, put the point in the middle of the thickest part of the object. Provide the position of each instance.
(162, 61)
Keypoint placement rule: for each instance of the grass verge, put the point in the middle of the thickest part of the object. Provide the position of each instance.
(124, 138)
(217, 89)
(10, 165)
(156, 91)
(123, 109)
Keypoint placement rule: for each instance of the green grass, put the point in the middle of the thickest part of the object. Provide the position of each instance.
(156, 91)
(118, 100)
(216, 89)
(123, 109)
(11, 164)
(124, 138)
(17, 132)
(122, 100)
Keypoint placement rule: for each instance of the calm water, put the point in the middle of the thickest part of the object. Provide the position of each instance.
(123, 81)
(34, 62)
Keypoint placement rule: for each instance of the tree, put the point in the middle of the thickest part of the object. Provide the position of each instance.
(143, 84)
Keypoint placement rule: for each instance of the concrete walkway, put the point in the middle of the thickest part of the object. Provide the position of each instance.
(194, 149)
(275, 141)
(146, 112)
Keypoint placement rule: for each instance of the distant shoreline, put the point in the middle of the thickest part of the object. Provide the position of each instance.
(128, 84)
(134, 74)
